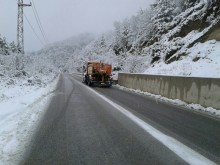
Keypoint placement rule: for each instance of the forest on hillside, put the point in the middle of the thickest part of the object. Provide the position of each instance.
(161, 33)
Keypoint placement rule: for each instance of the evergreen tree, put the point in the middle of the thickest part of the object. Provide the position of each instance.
(117, 45)
(1, 45)
(4, 48)
(13, 47)
(145, 27)
(126, 40)
(103, 42)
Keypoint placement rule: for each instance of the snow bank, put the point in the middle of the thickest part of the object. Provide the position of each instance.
(196, 107)
(21, 108)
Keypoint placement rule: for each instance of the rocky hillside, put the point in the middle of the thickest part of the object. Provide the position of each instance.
(198, 20)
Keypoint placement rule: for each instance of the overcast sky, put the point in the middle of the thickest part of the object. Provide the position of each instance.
(62, 19)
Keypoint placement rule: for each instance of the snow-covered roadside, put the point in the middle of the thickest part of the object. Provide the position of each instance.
(21, 108)
(196, 107)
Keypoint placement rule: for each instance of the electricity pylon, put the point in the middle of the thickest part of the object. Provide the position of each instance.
(20, 27)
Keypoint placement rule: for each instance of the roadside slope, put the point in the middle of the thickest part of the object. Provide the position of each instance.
(19, 117)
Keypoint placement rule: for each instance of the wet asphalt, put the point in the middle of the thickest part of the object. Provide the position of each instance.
(81, 128)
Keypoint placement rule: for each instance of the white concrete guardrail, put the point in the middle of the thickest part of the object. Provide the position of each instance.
(203, 91)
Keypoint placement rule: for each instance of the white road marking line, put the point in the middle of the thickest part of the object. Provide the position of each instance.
(187, 154)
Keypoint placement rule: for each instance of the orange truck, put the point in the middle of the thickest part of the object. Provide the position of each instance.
(97, 74)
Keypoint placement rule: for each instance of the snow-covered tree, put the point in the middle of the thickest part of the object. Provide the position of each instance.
(123, 37)
(117, 47)
(4, 48)
(7, 48)
(126, 40)
(103, 42)
(13, 47)
(164, 11)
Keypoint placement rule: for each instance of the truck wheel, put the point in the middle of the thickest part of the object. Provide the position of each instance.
(90, 84)
(85, 80)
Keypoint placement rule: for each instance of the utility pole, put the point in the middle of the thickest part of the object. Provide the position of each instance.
(20, 27)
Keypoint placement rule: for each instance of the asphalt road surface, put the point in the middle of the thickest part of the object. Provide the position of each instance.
(86, 125)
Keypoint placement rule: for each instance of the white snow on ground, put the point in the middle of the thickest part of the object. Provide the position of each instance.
(21, 108)
(196, 107)
(203, 60)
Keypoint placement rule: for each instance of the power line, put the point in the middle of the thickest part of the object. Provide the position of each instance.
(34, 30)
(39, 22)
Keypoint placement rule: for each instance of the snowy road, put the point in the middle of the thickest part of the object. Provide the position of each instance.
(110, 126)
